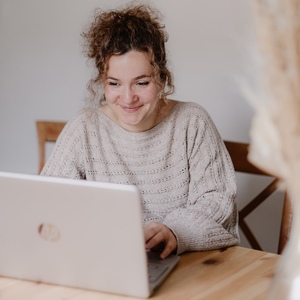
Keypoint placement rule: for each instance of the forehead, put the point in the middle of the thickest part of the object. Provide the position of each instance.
(131, 63)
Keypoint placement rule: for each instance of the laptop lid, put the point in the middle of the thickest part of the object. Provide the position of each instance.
(72, 232)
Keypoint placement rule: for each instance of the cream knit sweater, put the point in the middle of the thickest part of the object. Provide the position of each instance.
(181, 167)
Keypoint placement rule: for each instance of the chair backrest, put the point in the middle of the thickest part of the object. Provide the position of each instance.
(47, 131)
(239, 156)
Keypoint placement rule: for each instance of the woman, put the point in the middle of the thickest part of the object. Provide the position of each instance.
(170, 150)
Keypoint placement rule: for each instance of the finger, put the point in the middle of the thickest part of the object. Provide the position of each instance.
(157, 234)
(156, 239)
(169, 248)
(150, 231)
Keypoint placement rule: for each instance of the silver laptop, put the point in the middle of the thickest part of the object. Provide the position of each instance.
(76, 233)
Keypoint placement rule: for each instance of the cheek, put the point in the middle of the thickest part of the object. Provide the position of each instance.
(147, 96)
(151, 96)
(110, 95)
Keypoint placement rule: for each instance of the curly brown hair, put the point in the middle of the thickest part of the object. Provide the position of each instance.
(117, 32)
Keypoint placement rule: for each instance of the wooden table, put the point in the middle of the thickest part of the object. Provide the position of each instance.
(233, 273)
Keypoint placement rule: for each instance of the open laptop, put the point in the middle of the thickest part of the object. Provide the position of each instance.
(75, 233)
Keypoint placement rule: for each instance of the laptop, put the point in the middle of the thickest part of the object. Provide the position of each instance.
(76, 233)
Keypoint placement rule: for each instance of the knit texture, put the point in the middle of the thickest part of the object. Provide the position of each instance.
(181, 168)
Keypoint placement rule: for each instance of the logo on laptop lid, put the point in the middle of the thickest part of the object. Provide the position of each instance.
(49, 232)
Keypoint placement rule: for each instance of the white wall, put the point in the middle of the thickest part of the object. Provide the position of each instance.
(43, 74)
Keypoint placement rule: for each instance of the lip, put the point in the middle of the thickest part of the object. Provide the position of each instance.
(130, 109)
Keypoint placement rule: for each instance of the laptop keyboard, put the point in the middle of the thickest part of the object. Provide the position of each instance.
(159, 268)
(155, 271)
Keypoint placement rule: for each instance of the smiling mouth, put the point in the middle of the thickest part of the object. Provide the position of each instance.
(130, 109)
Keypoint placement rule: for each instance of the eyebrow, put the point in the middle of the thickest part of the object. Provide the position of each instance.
(136, 78)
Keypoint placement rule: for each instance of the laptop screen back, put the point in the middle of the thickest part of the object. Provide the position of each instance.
(75, 233)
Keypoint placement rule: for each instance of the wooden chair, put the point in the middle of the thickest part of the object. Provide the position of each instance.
(239, 154)
(48, 131)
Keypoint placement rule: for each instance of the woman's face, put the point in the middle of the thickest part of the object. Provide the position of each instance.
(130, 91)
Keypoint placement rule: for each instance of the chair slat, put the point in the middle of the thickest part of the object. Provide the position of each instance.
(239, 155)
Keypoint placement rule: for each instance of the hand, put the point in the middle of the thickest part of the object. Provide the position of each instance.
(157, 234)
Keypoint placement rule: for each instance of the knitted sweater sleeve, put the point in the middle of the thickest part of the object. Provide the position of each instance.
(209, 219)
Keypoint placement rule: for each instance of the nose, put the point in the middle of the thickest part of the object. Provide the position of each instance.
(129, 95)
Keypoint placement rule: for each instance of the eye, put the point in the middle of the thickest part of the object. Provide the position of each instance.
(143, 83)
(113, 83)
